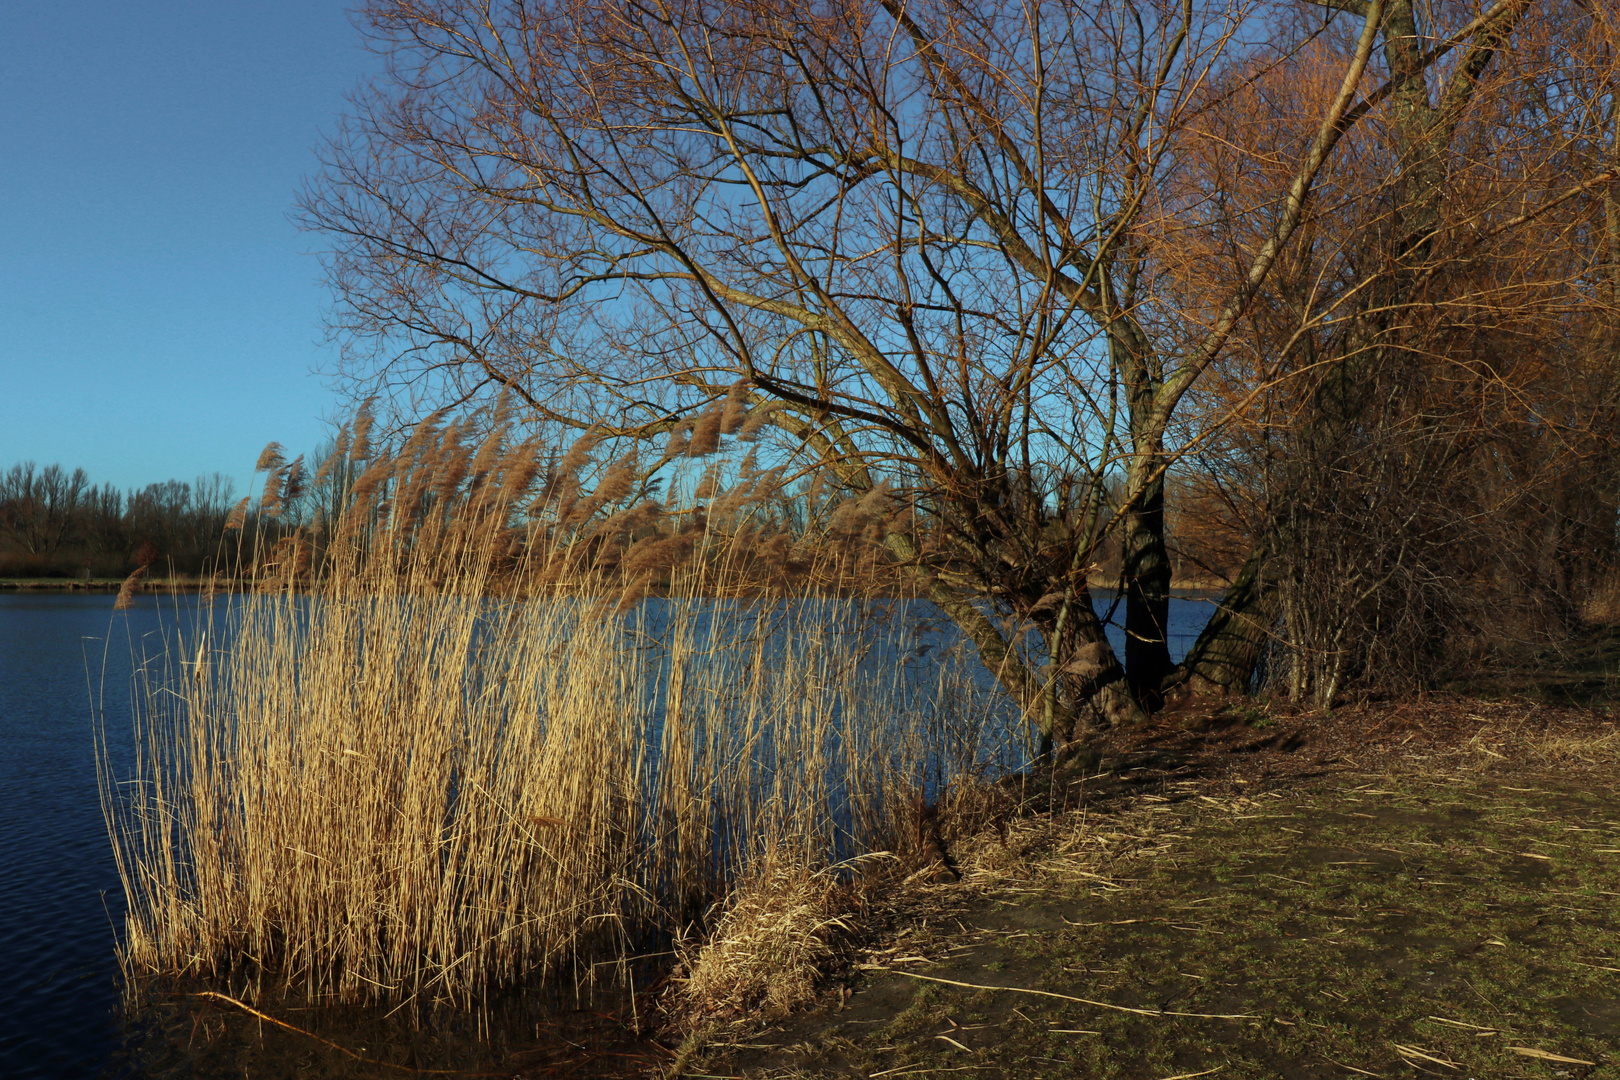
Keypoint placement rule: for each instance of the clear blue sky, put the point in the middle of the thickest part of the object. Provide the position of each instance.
(160, 316)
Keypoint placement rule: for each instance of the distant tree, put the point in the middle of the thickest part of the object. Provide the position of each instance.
(38, 506)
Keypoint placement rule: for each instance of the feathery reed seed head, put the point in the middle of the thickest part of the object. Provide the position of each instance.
(736, 408)
(270, 458)
(706, 432)
(126, 591)
(758, 417)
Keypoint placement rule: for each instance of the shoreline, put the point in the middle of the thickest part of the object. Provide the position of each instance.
(105, 585)
(1304, 894)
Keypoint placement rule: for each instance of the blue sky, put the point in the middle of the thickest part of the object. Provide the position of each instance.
(160, 316)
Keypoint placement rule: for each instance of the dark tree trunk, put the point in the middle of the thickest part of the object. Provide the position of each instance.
(1146, 573)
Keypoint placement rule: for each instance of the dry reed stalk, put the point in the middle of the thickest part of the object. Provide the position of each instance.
(449, 764)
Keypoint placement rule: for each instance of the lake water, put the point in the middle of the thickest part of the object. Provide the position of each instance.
(59, 890)
(60, 898)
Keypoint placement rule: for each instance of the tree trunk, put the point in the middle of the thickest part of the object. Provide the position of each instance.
(1146, 573)
(1224, 658)
(1082, 657)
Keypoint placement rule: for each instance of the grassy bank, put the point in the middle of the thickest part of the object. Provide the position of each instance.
(1384, 900)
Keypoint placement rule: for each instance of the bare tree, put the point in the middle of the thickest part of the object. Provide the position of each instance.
(1446, 398)
(38, 506)
(929, 243)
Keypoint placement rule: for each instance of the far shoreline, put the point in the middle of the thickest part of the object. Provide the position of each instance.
(106, 585)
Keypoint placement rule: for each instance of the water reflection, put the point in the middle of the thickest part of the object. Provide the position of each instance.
(179, 1036)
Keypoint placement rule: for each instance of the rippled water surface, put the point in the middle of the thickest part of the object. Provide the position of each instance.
(60, 899)
(59, 891)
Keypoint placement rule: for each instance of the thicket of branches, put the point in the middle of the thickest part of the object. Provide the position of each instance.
(1025, 270)
(1429, 481)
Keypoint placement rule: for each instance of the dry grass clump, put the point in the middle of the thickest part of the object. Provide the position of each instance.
(973, 805)
(783, 927)
(1558, 746)
(1602, 605)
(444, 748)
(1588, 748)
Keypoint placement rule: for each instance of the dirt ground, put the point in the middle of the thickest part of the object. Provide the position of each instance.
(1429, 887)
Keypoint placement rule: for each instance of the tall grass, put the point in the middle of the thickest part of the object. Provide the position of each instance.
(422, 767)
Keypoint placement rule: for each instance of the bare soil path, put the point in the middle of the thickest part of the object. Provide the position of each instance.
(1425, 889)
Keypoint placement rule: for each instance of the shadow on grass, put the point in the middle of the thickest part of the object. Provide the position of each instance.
(1434, 919)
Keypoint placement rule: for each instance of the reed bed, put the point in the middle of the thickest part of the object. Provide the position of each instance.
(419, 765)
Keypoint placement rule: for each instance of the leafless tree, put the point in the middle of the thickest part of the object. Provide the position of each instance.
(932, 243)
(37, 506)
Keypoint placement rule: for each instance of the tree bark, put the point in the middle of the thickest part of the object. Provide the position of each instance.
(1146, 573)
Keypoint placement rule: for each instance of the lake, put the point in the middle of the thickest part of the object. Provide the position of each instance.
(60, 1011)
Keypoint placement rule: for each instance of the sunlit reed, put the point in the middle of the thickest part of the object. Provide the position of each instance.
(415, 770)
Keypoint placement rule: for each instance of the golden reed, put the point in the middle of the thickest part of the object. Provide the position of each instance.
(447, 744)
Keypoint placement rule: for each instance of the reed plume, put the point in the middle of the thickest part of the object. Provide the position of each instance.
(270, 499)
(519, 469)
(296, 481)
(677, 441)
(126, 591)
(270, 458)
(709, 484)
(735, 413)
(579, 454)
(236, 520)
(330, 464)
(360, 448)
(618, 481)
(758, 417)
(706, 432)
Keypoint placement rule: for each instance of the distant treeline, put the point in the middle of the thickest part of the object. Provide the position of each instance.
(55, 523)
